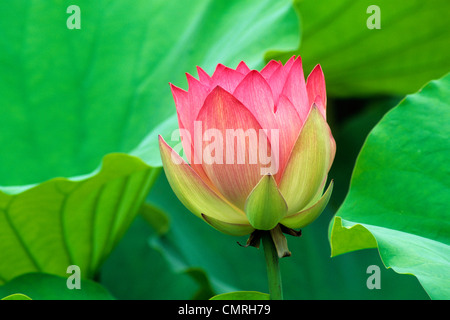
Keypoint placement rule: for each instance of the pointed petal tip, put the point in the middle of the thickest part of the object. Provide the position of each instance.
(176, 90)
(201, 69)
(174, 86)
(217, 90)
(315, 86)
(203, 76)
(293, 59)
(318, 67)
(219, 67)
(243, 68)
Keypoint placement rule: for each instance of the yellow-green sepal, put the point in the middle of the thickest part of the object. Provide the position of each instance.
(265, 206)
(232, 229)
(305, 217)
(308, 163)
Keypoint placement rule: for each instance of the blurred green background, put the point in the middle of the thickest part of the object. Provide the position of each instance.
(69, 97)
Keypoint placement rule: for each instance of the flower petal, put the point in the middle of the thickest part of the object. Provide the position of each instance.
(290, 125)
(187, 142)
(278, 77)
(333, 150)
(315, 86)
(243, 68)
(265, 206)
(305, 217)
(288, 65)
(255, 93)
(226, 77)
(192, 191)
(269, 69)
(232, 229)
(197, 93)
(308, 163)
(203, 76)
(235, 167)
(295, 89)
(181, 99)
(188, 104)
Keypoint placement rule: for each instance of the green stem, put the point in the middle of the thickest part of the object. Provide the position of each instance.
(273, 268)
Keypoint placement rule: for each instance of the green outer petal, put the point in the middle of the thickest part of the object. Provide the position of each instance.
(232, 229)
(265, 206)
(192, 191)
(305, 217)
(308, 163)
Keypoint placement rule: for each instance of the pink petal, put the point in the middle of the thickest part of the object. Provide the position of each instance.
(290, 125)
(269, 69)
(243, 68)
(255, 93)
(184, 116)
(226, 77)
(315, 86)
(289, 63)
(203, 76)
(197, 93)
(181, 99)
(188, 105)
(237, 169)
(278, 77)
(295, 89)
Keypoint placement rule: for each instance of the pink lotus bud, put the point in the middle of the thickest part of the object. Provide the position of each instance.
(257, 145)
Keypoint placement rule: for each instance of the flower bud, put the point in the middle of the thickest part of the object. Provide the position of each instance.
(257, 145)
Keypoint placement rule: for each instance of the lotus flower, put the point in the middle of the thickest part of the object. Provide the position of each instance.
(257, 146)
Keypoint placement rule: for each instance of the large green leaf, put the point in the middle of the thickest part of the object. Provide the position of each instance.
(68, 97)
(409, 49)
(399, 193)
(42, 286)
(64, 222)
(72, 97)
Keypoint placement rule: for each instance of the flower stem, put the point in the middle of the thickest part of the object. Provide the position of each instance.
(273, 268)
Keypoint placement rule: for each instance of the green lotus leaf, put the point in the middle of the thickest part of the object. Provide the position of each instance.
(409, 49)
(80, 111)
(42, 286)
(399, 192)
